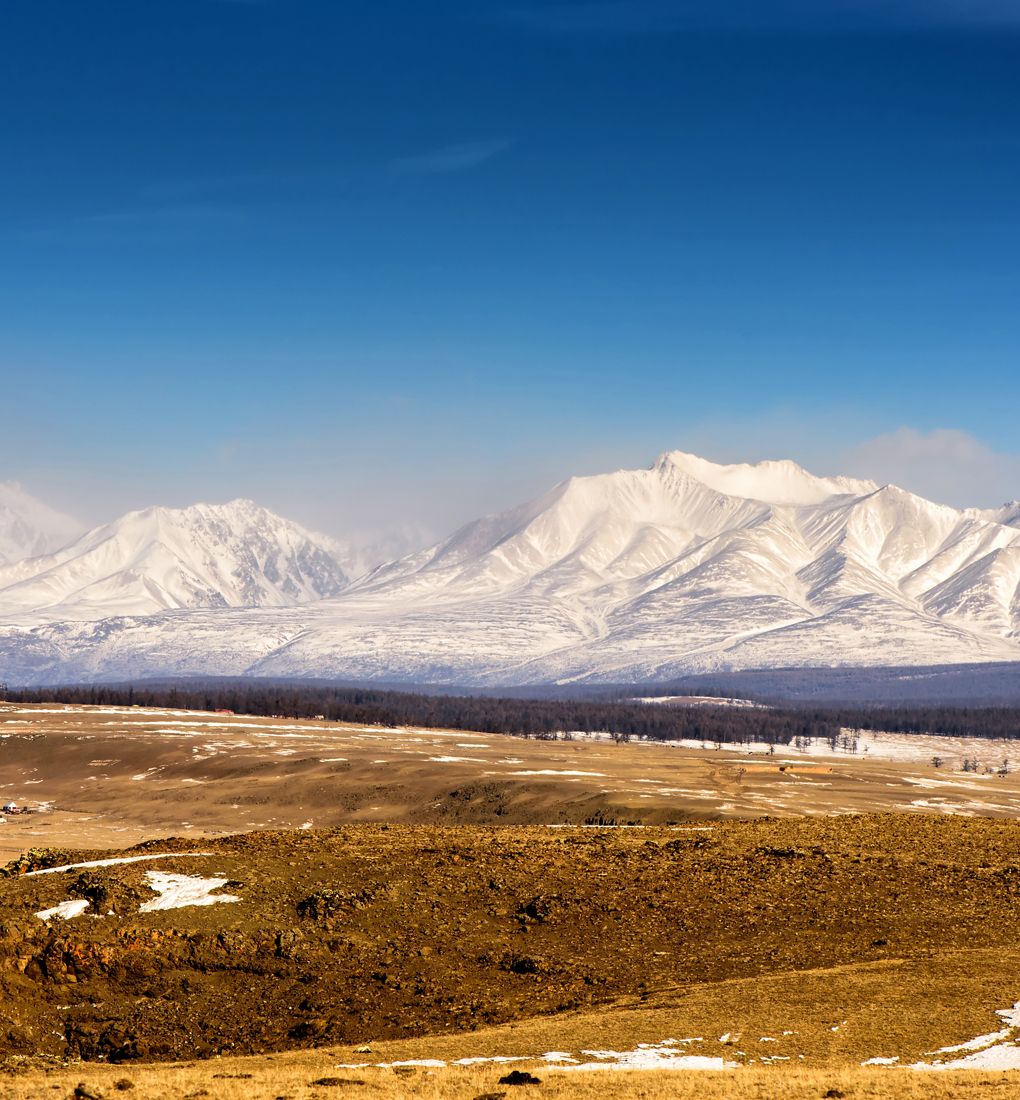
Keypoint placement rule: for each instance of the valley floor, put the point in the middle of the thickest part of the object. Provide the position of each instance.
(430, 955)
(111, 776)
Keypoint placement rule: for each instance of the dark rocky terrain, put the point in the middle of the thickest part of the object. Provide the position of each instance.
(376, 932)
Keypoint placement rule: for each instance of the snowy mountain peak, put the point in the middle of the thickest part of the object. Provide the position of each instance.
(773, 482)
(1008, 513)
(28, 527)
(206, 555)
(683, 566)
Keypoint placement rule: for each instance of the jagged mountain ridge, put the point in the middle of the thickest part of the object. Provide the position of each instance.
(228, 555)
(28, 527)
(635, 575)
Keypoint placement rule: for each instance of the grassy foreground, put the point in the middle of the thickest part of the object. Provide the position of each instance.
(793, 950)
(295, 1077)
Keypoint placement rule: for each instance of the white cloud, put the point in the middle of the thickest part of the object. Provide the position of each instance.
(451, 158)
(946, 464)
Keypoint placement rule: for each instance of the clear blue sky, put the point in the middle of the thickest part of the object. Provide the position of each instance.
(362, 259)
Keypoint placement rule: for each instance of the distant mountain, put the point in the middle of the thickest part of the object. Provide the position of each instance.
(366, 550)
(637, 575)
(28, 527)
(227, 555)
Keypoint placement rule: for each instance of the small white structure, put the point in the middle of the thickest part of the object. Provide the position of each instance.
(11, 808)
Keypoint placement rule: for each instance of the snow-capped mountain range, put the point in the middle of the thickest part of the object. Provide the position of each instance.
(158, 559)
(637, 575)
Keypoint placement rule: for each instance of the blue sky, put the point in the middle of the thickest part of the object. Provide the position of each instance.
(384, 263)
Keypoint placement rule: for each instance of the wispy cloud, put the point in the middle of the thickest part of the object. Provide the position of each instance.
(235, 185)
(169, 216)
(650, 16)
(138, 224)
(946, 464)
(450, 158)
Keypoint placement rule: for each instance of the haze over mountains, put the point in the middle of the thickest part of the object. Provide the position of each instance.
(637, 575)
(29, 527)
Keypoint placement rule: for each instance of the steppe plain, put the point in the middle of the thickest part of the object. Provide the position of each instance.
(728, 922)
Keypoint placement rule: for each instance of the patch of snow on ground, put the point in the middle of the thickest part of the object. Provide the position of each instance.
(425, 1063)
(556, 771)
(180, 891)
(114, 862)
(496, 1058)
(65, 910)
(996, 1050)
(699, 701)
(669, 1054)
(647, 1059)
(1001, 1056)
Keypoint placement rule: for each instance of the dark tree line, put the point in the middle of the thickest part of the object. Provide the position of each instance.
(524, 717)
(546, 717)
(947, 721)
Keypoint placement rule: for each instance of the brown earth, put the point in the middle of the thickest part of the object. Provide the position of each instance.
(111, 776)
(376, 933)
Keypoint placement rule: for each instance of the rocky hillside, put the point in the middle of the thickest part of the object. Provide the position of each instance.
(268, 941)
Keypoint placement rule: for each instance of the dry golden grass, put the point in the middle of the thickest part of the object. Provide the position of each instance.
(295, 1077)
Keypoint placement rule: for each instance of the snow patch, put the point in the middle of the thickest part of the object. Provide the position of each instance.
(181, 891)
(559, 771)
(996, 1050)
(66, 910)
(114, 862)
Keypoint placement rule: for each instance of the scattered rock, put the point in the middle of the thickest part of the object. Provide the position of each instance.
(540, 909)
(124, 1084)
(490, 1096)
(86, 1092)
(520, 1077)
(338, 1082)
(833, 1094)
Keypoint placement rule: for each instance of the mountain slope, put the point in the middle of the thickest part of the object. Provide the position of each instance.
(28, 527)
(230, 555)
(633, 575)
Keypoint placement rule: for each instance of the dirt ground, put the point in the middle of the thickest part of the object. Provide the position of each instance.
(108, 777)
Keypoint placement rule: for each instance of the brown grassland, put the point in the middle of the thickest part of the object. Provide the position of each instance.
(792, 947)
